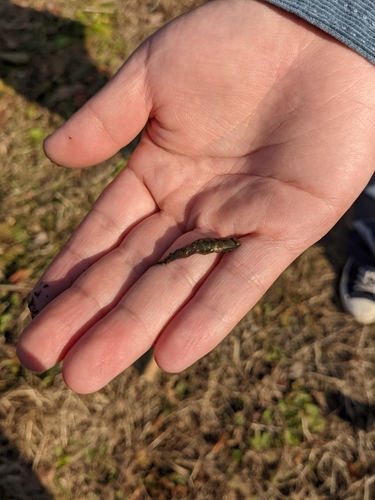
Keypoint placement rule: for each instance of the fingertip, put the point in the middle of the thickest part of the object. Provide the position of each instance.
(80, 384)
(48, 151)
(64, 148)
(168, 363)
(28, 359)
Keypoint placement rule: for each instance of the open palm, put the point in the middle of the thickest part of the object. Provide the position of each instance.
(259, 127)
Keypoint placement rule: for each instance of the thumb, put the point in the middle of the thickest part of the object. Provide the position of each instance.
(108, 121)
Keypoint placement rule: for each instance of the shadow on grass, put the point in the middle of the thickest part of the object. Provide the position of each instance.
(360, 415)
(17, 479)
(335, 244)
(43, 58)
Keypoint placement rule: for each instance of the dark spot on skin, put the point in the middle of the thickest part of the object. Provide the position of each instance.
(37, 294)
(46, 286)
(69, 137)
(32, 307)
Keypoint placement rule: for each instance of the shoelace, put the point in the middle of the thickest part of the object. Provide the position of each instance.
(365, 281)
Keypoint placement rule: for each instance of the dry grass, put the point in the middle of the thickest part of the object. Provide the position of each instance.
(282, 409)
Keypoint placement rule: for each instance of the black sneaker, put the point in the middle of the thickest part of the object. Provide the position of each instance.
(357, 284)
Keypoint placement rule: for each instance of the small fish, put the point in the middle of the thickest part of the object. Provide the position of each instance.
(203, 246)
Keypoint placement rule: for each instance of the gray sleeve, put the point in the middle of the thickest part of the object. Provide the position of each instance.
(350, 21)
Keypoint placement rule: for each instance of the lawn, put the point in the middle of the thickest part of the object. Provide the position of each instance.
(283, 408)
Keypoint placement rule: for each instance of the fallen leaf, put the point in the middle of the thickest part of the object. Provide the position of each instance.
(20, 275)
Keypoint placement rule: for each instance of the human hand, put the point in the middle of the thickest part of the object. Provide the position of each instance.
(259, 126)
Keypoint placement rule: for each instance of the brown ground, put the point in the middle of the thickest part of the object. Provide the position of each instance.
(282, 409)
